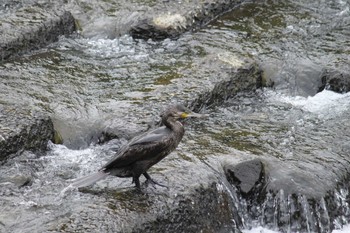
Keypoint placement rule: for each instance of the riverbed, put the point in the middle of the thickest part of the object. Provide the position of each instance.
(99, 84)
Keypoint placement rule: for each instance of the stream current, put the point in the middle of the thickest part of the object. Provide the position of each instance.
(86, 85)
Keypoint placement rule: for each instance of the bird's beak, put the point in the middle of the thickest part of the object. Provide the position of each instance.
(193, 114)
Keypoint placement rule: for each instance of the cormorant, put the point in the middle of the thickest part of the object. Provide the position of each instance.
(141, 153)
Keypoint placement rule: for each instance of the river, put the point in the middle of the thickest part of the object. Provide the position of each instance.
(92, 85)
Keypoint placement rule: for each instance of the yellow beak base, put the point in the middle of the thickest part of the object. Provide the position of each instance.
(184, 115)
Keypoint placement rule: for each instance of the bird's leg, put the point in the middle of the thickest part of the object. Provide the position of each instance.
(149, 179)
(137, 182)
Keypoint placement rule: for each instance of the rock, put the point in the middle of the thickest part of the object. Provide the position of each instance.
(295, 77)
(165, 23)
(57, 137)
(248, 176)
(31, 28)
(247, 78)
(21, 180)
(160, 27)
(22, 129)
(336, 81)
(203, 202)
(196, 202)
(287, 195)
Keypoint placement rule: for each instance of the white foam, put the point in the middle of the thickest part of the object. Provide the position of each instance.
(111, 48)
(326, 104)
(259, 230)
(346, 229)
(84, 160)
(61, 152)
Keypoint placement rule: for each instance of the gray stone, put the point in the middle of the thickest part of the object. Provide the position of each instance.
(21, 180)
(31, 28)
(156, 19)
(22, 129)
(336, 81)
(288, 194)
(186, 16)
(247, 78)
(195, 203)
(247, 176)
(189, 214)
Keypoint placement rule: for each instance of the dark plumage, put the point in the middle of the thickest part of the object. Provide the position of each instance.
(141, 153)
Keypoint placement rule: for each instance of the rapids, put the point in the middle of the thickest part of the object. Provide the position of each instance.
(92, 85)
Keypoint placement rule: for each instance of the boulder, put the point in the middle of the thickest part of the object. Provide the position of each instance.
(247, 176)
(165, 23)
(23, 129)
(335, 80)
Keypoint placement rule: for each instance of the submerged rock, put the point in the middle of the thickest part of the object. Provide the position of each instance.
(20, 180)
(244, 79)
(22, 129)
(31, 28)
(336, 81)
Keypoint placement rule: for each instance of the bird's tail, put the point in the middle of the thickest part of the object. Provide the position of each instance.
(89, 180)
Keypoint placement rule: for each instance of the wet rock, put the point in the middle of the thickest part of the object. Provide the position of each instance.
(161, 27)
(146, 19)
(336, 81)
(287, 195)
(247, 78)
(248, 176)
(304, 193)
(22, 129)
(295, 77)
(21, 180)
(31, 28)
(34, 26)
(195, 201)
(195, 213)
(57, 137)
(171, 20)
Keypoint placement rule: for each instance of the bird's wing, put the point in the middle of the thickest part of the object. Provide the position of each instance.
(153, 136)
(144, 147)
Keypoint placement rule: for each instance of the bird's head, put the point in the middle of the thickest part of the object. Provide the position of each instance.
(178, 111)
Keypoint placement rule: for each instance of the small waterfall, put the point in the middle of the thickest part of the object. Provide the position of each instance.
(294, 213)
(339, 207)
(290, 213)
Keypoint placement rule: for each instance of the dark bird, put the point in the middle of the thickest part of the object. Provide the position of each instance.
(141, 153)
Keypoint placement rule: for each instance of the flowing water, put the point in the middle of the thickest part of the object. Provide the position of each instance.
(120, 85)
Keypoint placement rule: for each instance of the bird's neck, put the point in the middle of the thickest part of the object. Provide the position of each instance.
(176, 126)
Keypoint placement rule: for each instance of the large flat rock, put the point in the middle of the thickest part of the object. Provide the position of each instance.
(31, 27)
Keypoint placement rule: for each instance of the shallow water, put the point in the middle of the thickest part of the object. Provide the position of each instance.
(94, 85)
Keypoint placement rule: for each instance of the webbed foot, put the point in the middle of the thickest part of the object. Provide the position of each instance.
(153, 182)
